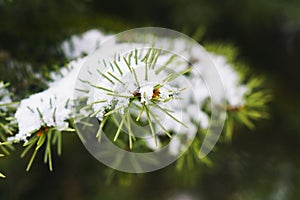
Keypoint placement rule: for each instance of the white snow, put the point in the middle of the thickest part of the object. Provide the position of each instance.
(50, 108)
(235, 91)
(79, 45)
(146, 94)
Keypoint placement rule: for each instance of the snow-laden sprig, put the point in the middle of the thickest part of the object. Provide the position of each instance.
(255, 107)
(49, 108)
(141, 85)
(135, 85)
(235, 91)
(112, 97)
(42, 117)
(247, 98)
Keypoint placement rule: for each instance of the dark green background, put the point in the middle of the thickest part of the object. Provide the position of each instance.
(260, 164)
